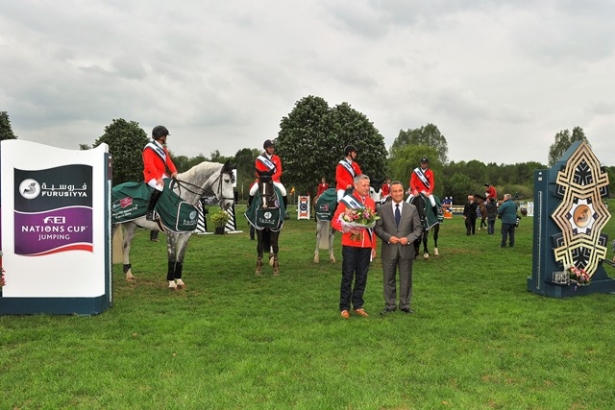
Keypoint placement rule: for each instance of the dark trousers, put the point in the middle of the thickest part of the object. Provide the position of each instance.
(508, 230)
(491, 226)
(355, 264)
(470, 226)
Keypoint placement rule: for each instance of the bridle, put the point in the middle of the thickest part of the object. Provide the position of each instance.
(200, 191)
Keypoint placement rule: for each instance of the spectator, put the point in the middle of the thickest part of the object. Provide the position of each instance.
(470, 215)
(508, 213)
(322, 187)
(492, 213)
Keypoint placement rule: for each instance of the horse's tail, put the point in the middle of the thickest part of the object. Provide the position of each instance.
(266, 235)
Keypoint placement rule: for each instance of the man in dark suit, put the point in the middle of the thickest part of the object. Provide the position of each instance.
(398, 227)
(470, 215)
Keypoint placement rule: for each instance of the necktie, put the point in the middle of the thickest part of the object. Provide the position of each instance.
(397, 215)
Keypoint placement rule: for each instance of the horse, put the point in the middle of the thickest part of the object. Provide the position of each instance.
(324, 208)
(202, 179)
(480, 201)
(423, 206)
(266, 214)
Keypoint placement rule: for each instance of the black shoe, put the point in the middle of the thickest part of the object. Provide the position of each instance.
(407, 310)
(387, 311)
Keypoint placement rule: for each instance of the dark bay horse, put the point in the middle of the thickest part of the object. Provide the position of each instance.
(266, 214)
(202, 179)
(429, 221)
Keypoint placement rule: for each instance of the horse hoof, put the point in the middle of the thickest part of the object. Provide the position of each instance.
(271, 260)
(425, 255)
(182, 286)
(276, 273)
(258, 272)
(129, 277)
(172, 288)
(332, 260)
(316, 259)
(435, 252)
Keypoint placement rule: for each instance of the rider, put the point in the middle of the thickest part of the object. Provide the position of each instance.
(490, 192)
(422, 182)
(346, 170)
(157, 165)
(268, 161)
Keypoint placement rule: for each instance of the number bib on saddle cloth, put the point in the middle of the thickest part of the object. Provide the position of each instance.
(129, 202)
(326, 204)
(271, 218)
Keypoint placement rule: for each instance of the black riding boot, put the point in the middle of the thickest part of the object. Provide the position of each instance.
(285, 200)
(153, 200)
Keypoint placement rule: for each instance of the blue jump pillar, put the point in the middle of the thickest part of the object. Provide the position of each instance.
(569, 216)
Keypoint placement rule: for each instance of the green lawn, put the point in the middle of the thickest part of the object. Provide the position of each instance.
(478, 340)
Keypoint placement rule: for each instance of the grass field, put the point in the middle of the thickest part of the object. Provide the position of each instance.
(478, 340)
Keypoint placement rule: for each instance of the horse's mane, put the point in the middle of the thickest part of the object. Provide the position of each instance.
(199, 169)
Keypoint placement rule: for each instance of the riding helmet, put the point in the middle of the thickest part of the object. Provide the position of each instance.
(159, 132)
(487, 184)
(349, 149)
(424, 160)
(268, 143)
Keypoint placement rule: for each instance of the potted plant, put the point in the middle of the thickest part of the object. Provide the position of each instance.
(220, 219)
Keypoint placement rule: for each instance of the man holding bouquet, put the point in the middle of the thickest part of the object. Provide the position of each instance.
(355, 217)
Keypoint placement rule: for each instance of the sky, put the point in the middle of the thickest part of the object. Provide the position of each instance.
(498, 78)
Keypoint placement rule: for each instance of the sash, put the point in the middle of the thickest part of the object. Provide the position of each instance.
(348, 166)
(419, 173)
(158, 150)
(351, 202)
(267, 162)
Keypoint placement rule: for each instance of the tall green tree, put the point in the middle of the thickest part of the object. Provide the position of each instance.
(428, 135)
(6, 131)
(563, 141)
(312, 139)
(244, 158)
(126, 141)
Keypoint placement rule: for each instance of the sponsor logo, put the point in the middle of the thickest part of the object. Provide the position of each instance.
(29, 188)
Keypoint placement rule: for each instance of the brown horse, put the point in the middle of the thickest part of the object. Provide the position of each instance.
(480, 201)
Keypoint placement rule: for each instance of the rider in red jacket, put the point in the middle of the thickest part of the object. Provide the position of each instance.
(157, 165)
(346, 170)
(268, 161)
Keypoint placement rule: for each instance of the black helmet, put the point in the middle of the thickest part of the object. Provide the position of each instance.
(349, 149)
(268, 143)
(424, 160)
(159, 132)
(487, 184)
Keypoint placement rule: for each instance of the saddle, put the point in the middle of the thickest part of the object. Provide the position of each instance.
(129, 202)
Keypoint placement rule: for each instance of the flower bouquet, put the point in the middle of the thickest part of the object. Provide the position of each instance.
(578, 275)
(354, 218)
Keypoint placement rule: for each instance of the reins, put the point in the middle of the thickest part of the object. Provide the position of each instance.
(198, 190)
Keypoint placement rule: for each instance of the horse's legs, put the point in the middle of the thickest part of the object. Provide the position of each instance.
(436, 230)
(274, 244)
(319, 228)
(331, 233)
(182, 245)
(259, 252)
(129, 234)
(425, 241)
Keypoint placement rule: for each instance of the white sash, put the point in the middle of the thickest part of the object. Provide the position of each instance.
(348, 166)
(158, 150)
(351, 202)
(419, 173)
(267, 162)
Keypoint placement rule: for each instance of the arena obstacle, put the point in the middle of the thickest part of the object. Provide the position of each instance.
(569, 216)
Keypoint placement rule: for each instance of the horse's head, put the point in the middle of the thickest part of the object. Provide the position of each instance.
(224, 191)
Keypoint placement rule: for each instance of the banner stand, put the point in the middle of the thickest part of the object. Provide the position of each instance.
(55, 229)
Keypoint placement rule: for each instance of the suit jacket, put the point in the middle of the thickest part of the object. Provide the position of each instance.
(409, 227)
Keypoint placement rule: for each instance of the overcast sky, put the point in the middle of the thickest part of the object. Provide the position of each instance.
(498, 78)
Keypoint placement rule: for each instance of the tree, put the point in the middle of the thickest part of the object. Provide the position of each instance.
(126, 141)
(563, 141)
(6, 131)
(312, 139)
(428, 135)
(244, 158)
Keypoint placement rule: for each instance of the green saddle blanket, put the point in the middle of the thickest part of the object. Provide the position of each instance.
(272, 218)
(129, 202)
(326, 205)
(432, 218)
